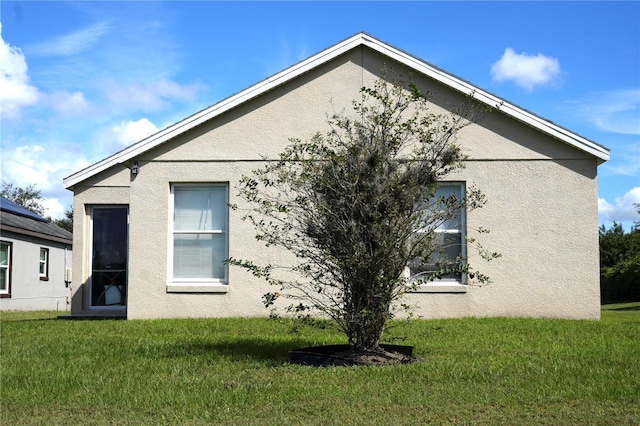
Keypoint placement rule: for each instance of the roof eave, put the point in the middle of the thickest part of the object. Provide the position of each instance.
(600, 152)
(212, 111)
(40, 235)
(456, 83)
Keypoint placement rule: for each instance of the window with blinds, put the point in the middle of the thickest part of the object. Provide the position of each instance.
(200, 232)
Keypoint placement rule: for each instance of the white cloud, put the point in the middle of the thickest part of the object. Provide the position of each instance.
(625, 160)
(67, 104)
(288, 51)
(15, 90)
(54, 208)
(150, 97)
(616, 111)
(622, 209)
(133, 131)
(72, 43)
(32, 165)
(526, 70)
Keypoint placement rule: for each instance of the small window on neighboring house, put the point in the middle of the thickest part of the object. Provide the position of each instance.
(200, 243)
(5, 269)
(44, 264)
(450, 235)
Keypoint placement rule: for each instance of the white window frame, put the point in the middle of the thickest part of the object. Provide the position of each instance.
(447, 285)
(44, 275)
(196, 285)
(6, 269)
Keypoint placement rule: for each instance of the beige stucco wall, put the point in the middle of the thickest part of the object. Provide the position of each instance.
(542, 217)
(541, 210)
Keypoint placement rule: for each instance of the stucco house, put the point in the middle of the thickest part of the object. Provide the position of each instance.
(35, 261)
(152, 224)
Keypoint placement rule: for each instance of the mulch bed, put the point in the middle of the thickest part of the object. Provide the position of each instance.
(343, 356)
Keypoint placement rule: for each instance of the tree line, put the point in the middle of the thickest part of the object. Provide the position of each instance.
(620, 263)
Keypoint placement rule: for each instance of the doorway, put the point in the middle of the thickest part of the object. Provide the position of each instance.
(109, 249)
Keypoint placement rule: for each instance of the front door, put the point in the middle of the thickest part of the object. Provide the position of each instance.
(109, 234)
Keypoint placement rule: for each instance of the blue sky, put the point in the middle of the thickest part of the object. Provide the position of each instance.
(81, 80)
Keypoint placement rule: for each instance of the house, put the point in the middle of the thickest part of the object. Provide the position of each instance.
(152, 225)
(35, 261)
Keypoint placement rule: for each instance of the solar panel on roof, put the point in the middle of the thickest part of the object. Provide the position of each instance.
(11, 207)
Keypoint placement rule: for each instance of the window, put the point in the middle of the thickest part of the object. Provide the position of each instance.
(44, 264)
(200, 240)
(449, 236)
(5, 269)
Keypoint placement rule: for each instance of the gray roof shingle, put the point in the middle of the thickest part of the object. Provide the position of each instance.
(16, 219)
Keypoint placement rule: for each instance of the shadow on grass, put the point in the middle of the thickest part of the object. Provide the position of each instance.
(622, 306)
(270, 352)
(625, 308)
(28, 319)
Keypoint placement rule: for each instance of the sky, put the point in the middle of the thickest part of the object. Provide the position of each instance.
(81, 80)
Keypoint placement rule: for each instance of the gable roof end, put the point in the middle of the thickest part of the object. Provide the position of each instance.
(361, 39)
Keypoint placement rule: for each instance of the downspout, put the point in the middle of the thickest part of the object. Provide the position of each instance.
(67, 274)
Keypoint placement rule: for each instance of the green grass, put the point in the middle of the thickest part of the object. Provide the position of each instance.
(235, 372)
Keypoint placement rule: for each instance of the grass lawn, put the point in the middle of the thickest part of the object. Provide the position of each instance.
(235, 371)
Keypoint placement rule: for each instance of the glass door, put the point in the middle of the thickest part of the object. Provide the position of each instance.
(109, 248)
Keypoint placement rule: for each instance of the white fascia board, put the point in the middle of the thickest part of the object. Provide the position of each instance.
(493, 101)
(316, 60)
(212, 111)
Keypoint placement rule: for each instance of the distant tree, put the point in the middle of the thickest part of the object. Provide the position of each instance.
(67, 221)
(613, 245)
(620, 263)
(29, 197)
(621, 282)
(348, 204)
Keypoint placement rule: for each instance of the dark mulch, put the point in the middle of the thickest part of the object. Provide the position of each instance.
(342, 355)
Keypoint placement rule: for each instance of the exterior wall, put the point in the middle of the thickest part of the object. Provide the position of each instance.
(542, 217)
(541, 210)
(28, 292)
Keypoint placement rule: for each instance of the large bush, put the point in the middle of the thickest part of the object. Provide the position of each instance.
(348, 203)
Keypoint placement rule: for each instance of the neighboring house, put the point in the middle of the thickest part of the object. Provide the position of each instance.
(152, 225)
(35, 261)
